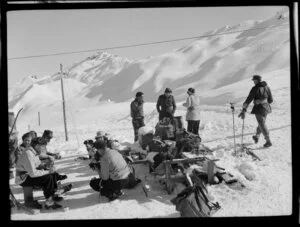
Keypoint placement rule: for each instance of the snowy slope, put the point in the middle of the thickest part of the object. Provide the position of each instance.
(206, 64)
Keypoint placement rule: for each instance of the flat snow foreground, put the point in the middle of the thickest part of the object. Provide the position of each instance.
(268, 182)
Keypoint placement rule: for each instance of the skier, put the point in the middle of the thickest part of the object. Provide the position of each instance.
(137, 113)
(29, 173)
(193, 112)
(262, 98)
(166, 105)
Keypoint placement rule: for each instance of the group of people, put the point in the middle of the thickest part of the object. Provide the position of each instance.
(35, 165)
(260, 94)
(113, 167)
(166, 107)
(35, 168)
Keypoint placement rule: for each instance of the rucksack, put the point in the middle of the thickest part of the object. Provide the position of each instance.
(193, 202)
(165, 130)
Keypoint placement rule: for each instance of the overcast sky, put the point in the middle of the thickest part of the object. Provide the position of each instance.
(53, 31)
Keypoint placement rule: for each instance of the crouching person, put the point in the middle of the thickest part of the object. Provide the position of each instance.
(30, 173)
(114, 171)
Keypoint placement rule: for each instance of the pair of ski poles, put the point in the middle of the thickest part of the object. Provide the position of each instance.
(233, 109)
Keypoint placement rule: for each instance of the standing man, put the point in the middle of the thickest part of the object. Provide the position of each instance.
(137, 113)
(262, 98)
(166, 105)
(193, 111)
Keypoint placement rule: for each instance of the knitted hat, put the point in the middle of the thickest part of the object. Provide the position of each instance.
(256, 77)
(168, 90)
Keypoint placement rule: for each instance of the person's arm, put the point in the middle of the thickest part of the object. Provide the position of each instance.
(158, 104)
(249, 98)
(29, 164)
(174, 105)
(270, 96)
(104, 170)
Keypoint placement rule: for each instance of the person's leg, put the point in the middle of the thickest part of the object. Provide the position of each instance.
(196, 127)
(135, 129)
(47, 182)
(95, 184)
(190, 126)
(264, 129)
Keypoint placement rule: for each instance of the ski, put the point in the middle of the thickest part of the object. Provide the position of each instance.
(249, 151)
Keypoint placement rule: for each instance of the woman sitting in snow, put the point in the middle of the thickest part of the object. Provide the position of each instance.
(30, 172)
(115, 173)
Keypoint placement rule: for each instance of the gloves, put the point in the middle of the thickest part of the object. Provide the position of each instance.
(242, 114)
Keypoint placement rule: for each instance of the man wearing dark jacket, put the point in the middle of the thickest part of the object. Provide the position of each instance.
(262, 98)
(137, 113)
(166, 105)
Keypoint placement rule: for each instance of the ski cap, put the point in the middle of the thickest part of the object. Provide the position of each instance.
(256, 77)
(168, 90)
(139, 93)
(191, 90)
(99, 134)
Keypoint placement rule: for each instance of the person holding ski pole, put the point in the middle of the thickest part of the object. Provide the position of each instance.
(262, 97)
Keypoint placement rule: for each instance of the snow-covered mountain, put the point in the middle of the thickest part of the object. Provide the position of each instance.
(209, 64)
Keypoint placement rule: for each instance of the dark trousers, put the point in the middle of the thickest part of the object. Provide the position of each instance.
(262, 128)
(193, 127)
(48, 182)
(137, 123)
(108, 186)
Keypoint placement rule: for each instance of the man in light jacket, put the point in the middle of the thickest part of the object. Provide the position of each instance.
(114, 171)
(193, 111)
(30, 172)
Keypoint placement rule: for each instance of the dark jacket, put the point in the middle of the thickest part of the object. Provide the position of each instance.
(136, 109)
(262, 97)
(166, 104)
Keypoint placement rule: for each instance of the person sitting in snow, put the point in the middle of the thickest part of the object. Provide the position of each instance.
(262, 98)
(30, 172)
(137, 113)
(33, 134)
(47, 136)
(114, 172)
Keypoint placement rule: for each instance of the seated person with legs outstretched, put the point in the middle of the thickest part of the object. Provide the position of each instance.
(30, 172)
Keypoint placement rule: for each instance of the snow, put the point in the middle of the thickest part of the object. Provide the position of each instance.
(220, 68)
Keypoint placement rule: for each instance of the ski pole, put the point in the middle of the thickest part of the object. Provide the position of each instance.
(232, 108)
(243, 132)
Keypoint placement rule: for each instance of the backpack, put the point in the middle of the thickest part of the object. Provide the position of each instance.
(193, 202)
(165, 129)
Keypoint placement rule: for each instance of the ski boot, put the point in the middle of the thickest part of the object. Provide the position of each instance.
(51, 205)
(255, 138)
(268, 144)
(61, 177)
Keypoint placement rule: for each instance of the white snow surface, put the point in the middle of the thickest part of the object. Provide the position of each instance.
(98, 93)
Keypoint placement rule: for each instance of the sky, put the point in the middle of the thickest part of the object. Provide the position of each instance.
(39, 32)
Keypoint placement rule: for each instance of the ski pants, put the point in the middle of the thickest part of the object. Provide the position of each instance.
(262, 128)
(137, 123)
(108, 187)
(48, 182)
(193, 127)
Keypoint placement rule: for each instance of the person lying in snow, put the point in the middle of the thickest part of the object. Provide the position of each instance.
(30, 172)
(115, 173)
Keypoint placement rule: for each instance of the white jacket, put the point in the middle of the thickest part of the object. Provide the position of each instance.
(193, 108)
(26, 165)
